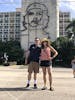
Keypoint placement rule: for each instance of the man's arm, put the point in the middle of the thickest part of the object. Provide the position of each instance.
(26, 56)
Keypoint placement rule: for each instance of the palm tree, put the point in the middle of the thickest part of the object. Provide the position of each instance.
(71, 30)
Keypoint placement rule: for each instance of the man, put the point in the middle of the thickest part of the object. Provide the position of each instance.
(33, 54)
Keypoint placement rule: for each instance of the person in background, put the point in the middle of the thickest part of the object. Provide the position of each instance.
(73, 66)
(33, 54)
(46, 61)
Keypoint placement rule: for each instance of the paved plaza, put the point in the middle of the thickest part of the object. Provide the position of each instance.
(13, 81)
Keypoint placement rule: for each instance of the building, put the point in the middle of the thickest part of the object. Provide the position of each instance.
(64, 21)
(24, 25)
(10, 25)
(39, 18)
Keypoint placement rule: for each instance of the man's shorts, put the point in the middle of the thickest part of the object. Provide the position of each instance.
(33, 67)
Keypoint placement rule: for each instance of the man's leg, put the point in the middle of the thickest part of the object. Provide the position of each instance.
(35, 80)
(30, 69)
(36, 70)
(29, 78)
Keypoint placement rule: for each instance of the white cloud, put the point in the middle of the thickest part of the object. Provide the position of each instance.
(12, 0)
(68, 5)
(6, 1)
(66, 0)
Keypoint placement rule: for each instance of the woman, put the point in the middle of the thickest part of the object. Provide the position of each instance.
(46, 61)
(73, 66)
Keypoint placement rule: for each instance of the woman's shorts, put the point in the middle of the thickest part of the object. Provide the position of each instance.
(45, 63)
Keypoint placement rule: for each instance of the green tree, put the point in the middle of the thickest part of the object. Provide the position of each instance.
(66, 50)
(71, 30)
(13, 50)
(71, 26)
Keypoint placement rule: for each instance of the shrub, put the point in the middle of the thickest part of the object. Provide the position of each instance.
(66, 51)
(13, 50)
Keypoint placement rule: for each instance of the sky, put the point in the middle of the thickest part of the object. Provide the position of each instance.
(11, 5)
(68, 5)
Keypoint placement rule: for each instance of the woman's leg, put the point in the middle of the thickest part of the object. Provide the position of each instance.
(74, 73)
(50, 75)
(44, 75)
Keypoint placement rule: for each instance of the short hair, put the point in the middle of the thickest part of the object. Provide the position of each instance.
(36, 38)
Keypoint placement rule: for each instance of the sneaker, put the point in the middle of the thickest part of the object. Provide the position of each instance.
(51, 89)
(44, 88)
(35, 86)
(27, 86)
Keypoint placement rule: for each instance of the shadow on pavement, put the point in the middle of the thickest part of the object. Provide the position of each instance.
(20, 89)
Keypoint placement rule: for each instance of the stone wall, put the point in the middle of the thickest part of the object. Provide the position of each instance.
(40, 18)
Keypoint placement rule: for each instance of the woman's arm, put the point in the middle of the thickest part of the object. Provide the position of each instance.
(54, 51)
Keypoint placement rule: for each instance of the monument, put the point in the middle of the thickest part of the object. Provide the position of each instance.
(39, 18)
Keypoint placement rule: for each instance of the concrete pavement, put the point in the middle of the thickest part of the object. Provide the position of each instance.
(13, 80)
